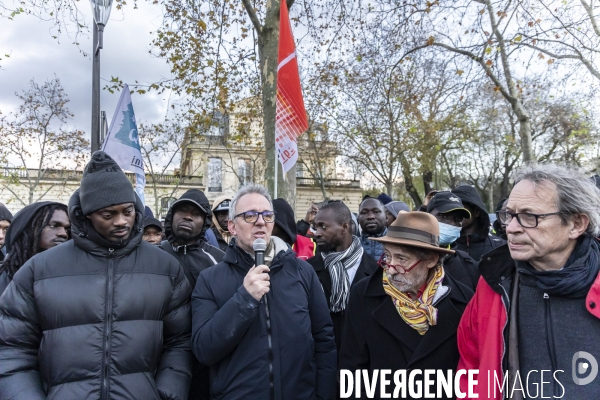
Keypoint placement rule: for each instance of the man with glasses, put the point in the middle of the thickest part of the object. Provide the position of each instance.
(404, 316)
(538, 304)
(264, 330)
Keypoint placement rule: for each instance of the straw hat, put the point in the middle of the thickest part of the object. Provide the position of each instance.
(414, 229)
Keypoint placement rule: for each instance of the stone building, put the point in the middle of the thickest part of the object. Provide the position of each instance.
(218, 160)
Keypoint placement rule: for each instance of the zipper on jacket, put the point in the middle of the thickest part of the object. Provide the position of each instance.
(270, 347)
(107, 326)
(550, 339)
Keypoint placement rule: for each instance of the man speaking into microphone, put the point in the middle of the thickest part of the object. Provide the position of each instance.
(264, 330)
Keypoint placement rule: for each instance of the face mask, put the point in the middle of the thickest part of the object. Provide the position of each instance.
(448, 234)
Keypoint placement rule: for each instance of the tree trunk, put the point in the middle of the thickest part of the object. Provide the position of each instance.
(427, 179)
(408, 182)
(268, 49)
(524, 131)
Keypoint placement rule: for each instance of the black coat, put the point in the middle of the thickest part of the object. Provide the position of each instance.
(477, 245)
(83, 321)
(462, 268)
(376, 336)
(366, 267)
(242, 339)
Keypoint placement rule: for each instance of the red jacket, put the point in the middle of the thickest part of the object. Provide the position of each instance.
(304, 247)
(483, 329)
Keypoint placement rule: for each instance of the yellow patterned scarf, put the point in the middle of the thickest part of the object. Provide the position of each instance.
(419, 314)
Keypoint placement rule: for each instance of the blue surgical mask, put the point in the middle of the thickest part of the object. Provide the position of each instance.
(448, 234)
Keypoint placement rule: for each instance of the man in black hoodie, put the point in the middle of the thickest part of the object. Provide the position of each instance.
(36, 228)
(475, 236)
(5, 219)
(186, 222)
(103, 316)
(285, 229)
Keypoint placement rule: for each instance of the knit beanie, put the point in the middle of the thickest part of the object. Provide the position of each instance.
(104, 184)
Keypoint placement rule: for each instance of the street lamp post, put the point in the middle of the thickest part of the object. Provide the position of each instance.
(101, 11)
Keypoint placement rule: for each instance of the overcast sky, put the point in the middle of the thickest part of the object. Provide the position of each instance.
(34, 54)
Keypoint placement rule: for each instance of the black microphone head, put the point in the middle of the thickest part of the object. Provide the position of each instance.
(259, 245)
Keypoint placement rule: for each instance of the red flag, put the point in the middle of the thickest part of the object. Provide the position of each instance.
(290, 116)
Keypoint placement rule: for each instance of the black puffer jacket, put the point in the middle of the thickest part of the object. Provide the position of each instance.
(82, 321)
(198, 256)
(285, 341)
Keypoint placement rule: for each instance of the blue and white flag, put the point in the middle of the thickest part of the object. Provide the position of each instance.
(123, 144)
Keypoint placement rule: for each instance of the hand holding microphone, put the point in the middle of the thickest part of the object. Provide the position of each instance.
(256, 281)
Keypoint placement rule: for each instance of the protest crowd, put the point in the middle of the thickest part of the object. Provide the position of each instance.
(240, 299)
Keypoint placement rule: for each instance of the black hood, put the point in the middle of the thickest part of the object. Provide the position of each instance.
(151, 221)
(87, 239)
(193, 196)
(23, 219)
(284, 218)
(5, 215)
(468, 194)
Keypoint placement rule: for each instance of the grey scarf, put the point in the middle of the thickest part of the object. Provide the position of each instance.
(337, 264)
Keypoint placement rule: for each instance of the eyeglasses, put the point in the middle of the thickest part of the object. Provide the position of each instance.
(526, 220)
(398, 268)
(252, 216)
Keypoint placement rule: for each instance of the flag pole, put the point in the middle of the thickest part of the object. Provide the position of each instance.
(276, 168)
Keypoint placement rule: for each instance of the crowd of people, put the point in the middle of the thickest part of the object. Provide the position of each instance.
(99, 299)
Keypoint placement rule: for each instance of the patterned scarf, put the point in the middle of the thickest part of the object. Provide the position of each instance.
(337, 264)
(419, 314)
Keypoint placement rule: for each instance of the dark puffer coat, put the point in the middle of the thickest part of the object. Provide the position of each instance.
(84, 321)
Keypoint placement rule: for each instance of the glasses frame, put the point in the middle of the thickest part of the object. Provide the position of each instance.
(258, 213)
(505, 221)
(398, 268)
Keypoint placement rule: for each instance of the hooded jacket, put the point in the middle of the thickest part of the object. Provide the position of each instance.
(17, 226)
(84, 320)
(483, 240)
(304, 247)
(5, 215)
(279, 348)
(195, 257)
(223, 237)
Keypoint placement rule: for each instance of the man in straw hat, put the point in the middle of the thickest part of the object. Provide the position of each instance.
(405, 315)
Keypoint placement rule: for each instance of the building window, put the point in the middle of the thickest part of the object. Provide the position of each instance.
(244, 171)
(165, 204)
(215, 174)
(299, 170)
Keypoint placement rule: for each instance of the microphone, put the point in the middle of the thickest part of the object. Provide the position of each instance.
(259, 247)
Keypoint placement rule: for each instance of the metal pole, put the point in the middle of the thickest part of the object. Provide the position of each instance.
(97, 45)
(276, 168)
(103, 127)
